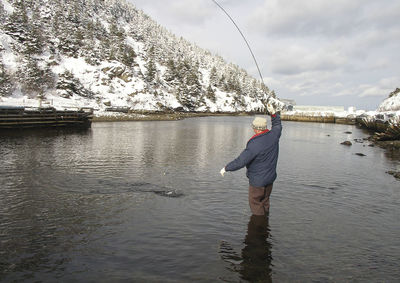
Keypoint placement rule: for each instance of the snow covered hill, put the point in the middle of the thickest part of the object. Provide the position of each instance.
(107, 53)
(392, 103)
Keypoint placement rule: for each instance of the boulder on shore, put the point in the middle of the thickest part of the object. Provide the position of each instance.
(395, 174)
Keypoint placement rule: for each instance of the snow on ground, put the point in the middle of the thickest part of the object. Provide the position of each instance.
(391, 103)
(339, 114)
(7, 56)
(388, 110)
(145, 101)
(8, 7)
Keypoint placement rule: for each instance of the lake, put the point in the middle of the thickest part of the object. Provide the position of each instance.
(144, 202)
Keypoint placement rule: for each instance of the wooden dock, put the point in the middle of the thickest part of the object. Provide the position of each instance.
(30, 117)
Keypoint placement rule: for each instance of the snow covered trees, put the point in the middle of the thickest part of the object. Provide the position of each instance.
(395, 92)
(391, 103)
(210, 94)
(127, 55)
(34, 79)
(166, 69)
(151, 69)
(67, 86)
(5, 82)
(19, 27)
(189, 89)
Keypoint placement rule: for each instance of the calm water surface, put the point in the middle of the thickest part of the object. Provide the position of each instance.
(144, 201)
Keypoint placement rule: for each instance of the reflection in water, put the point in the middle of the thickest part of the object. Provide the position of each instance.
(254, 263)
(102, 205)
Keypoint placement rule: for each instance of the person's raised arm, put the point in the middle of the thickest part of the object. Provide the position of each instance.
(276, 120)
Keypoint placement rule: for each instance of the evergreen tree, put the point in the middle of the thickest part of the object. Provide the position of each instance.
(189, 85)
(35, 80)
(150, 66)
(193, 82)
(272, 93)
(171, 73)
(232, 83)
(213, 77)
(33, 43)
(2, 15)
(6, 86)
(238, 101)
(222, 83)
(17, 24)
(210, 94)
(128, 55)
(67, 26)
(67, 86)
(115, 32)
(24, 30)
(37, 30)
(266, 90)
(393, 93)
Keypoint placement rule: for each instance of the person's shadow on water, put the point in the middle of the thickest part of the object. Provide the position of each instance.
(255, 262)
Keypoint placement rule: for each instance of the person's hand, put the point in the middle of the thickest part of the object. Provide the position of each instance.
(222, 172)
(271, 109)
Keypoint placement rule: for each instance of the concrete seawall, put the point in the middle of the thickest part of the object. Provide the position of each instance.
(318, 119)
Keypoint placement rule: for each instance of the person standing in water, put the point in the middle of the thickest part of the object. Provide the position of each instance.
(260, 158)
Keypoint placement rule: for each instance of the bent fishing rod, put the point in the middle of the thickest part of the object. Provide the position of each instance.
(244, 38)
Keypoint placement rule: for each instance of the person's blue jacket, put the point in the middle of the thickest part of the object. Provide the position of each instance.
(260, 156)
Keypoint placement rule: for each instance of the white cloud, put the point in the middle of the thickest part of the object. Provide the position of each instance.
(382, 88)
(307, 17)
(390, 82)
(177, 12)
(271, 81)
(323, 17)
(374, 91)
(193, 12)
(296, 59)
(344, 92)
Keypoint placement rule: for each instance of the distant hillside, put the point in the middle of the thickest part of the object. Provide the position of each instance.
(103, 53)
(392, 103)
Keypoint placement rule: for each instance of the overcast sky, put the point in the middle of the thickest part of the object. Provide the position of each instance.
(317, 52)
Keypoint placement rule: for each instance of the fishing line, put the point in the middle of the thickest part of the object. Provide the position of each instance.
(245, 40)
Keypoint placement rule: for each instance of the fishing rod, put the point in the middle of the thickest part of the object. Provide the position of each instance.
(245, 40)
(248, 45)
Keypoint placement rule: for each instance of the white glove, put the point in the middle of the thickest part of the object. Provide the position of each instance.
(222, 172)
(271, 109)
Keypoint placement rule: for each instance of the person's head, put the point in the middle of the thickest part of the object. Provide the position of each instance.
(259, 124)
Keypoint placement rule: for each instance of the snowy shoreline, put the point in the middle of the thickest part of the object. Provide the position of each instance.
(155, 116)
(344, 117)
(374, 120)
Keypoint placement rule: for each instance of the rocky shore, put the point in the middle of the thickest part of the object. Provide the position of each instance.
(384, 128)
(389, 142)
(156, 116)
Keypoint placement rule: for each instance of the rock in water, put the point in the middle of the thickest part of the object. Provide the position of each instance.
(170, 194)
(346, 143)
(156, 189)
(348, 132)
(394, 174)
(360, 154)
